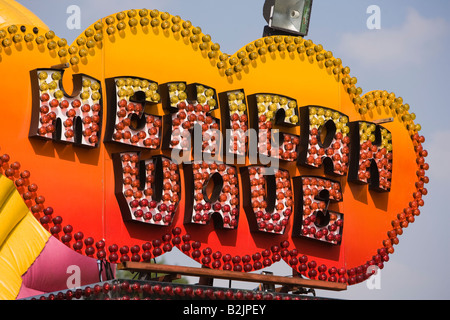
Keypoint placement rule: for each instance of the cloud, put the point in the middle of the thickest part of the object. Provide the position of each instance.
(415, 42)
(438, 156)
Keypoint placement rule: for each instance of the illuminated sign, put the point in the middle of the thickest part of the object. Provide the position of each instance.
(152, 138)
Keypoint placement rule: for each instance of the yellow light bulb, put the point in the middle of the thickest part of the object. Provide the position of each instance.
(154, 13)
(43, 86)
(120, 15)
(133, 22)
(131, 13)
(156, 97)
(39, 40)
(43, 75)
(273, 107)
(58, 94)
(17, 38)
(212, 103)
(187, 24)
(95, 86)
(62, 53)
(83, 53)
(84, 95)
(155, 22)
(261, 109)
(144, 21)
(110, 30)
(294, 119)
(52, 85)
(165, 16)
(96, 96)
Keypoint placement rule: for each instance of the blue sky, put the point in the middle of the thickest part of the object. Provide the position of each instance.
(408, 56)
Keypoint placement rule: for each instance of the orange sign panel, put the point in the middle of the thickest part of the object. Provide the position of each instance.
(142, 136)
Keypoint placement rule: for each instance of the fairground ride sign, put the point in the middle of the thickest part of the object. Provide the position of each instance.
(142, 135)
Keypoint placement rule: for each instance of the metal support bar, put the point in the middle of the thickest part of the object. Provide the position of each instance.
(232, 275)
(61, 66)
(381, 121)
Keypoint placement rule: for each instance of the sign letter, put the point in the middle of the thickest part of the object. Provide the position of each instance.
(57, 116)
(148, 191)
(267, 198)
(314, 219)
